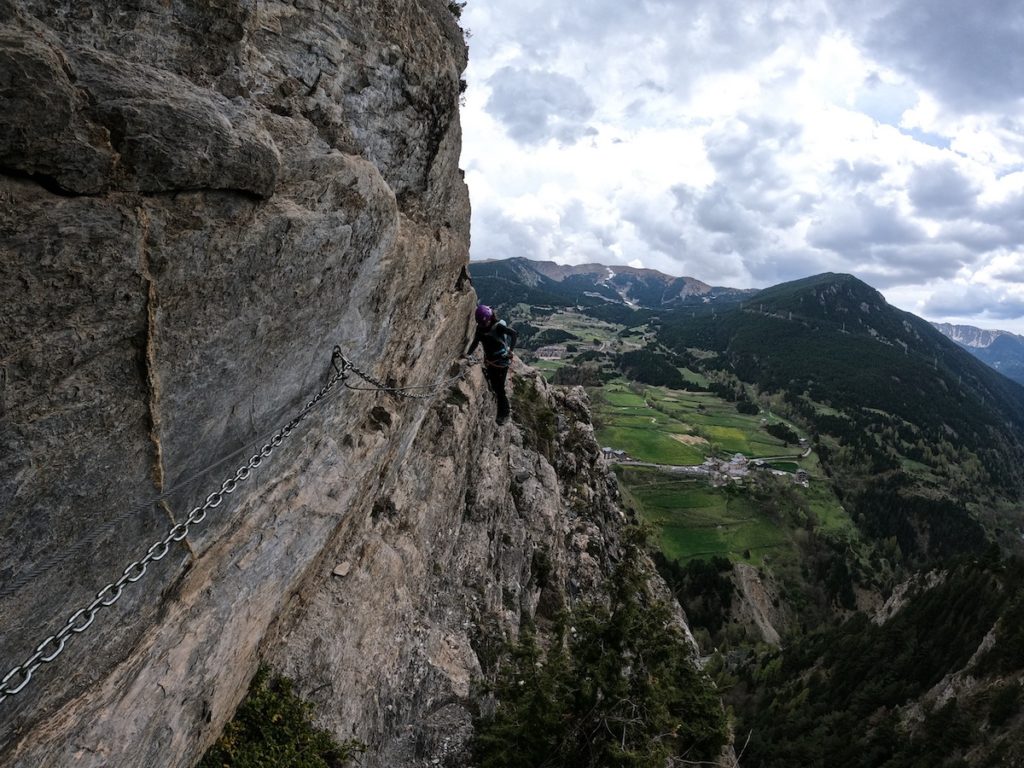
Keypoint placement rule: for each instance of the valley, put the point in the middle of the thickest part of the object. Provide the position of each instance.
(799, 456)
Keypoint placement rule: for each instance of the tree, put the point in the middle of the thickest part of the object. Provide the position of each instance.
(615, 687)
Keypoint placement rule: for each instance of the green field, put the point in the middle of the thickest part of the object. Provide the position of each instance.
(694, 520)
(697, 378)
(714, 426)
(647, 444)
(587, 329)
(548, 367)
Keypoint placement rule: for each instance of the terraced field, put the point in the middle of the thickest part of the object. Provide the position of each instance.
(649, 427)
(694, 520)
(674, 428)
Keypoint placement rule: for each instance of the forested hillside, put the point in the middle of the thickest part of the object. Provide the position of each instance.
(871, 615)
(914, 428)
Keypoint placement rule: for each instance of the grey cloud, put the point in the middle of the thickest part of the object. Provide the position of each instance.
(989, 227)
(884, 247)
(659, 236)
(784, 265)
(733, 33)
(657, 232)
(692, 255)
(536, 106)
(553, 25)
(889, 266)
(593, 237)
(860, 225)
(967, 53)
(1012, 127)
(932, 259)
(685, 195)
(744, 149)
(941, 191)
(573, 236)
(857, 173)
(744, 153)
(1008, 216)
(975, 300)
(717, 211)
(1012, 275)
(720, 34)
(1007, 309)
(495, 236)
(976, 235)
(733, 227)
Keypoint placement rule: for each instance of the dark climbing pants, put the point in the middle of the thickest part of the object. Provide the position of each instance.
(496, 376)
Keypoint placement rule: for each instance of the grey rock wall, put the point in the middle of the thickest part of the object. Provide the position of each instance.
(197, 200)
(471, 532)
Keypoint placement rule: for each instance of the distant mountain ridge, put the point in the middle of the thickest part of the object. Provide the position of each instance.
(545, 282)
(969, 336)
(1001, 350)
(884, 383)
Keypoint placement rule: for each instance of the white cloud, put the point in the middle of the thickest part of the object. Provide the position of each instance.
(746, 143)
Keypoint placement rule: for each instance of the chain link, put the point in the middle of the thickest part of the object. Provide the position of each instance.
(52, 647)
(378, 385)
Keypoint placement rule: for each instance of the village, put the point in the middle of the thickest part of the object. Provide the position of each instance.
(719, 472)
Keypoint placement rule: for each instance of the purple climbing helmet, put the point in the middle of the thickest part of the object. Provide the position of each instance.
(484, 314)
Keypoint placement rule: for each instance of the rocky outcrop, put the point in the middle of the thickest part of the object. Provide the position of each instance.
(474, 532)
(759, 605)
(197, 201)
(969, 336)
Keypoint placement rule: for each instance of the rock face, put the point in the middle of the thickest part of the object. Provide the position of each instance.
(474, 531)
(758, 604)
(197, 201)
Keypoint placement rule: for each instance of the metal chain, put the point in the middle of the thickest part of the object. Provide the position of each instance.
(380, 386)
(52, 647)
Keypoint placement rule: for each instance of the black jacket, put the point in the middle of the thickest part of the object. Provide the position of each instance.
(498, 341)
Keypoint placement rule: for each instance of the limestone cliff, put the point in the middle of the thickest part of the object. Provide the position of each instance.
(197, 201)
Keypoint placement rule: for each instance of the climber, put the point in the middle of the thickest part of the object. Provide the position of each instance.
(498, 341)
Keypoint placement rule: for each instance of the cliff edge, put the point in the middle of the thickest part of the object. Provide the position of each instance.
(197, 202)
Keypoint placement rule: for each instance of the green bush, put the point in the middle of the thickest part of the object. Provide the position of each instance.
(1005, 703)
(583, 375)
(273, 727)
(783, 433)
(650, 368)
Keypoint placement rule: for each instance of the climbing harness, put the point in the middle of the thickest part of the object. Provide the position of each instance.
(79, 621)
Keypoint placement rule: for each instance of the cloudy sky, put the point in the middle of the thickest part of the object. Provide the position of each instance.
(746, 143)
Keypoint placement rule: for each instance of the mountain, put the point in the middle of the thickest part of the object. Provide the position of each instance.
(509, 281)
(919, 446)
(1002, 350)
(915, 429)
(969, 336)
